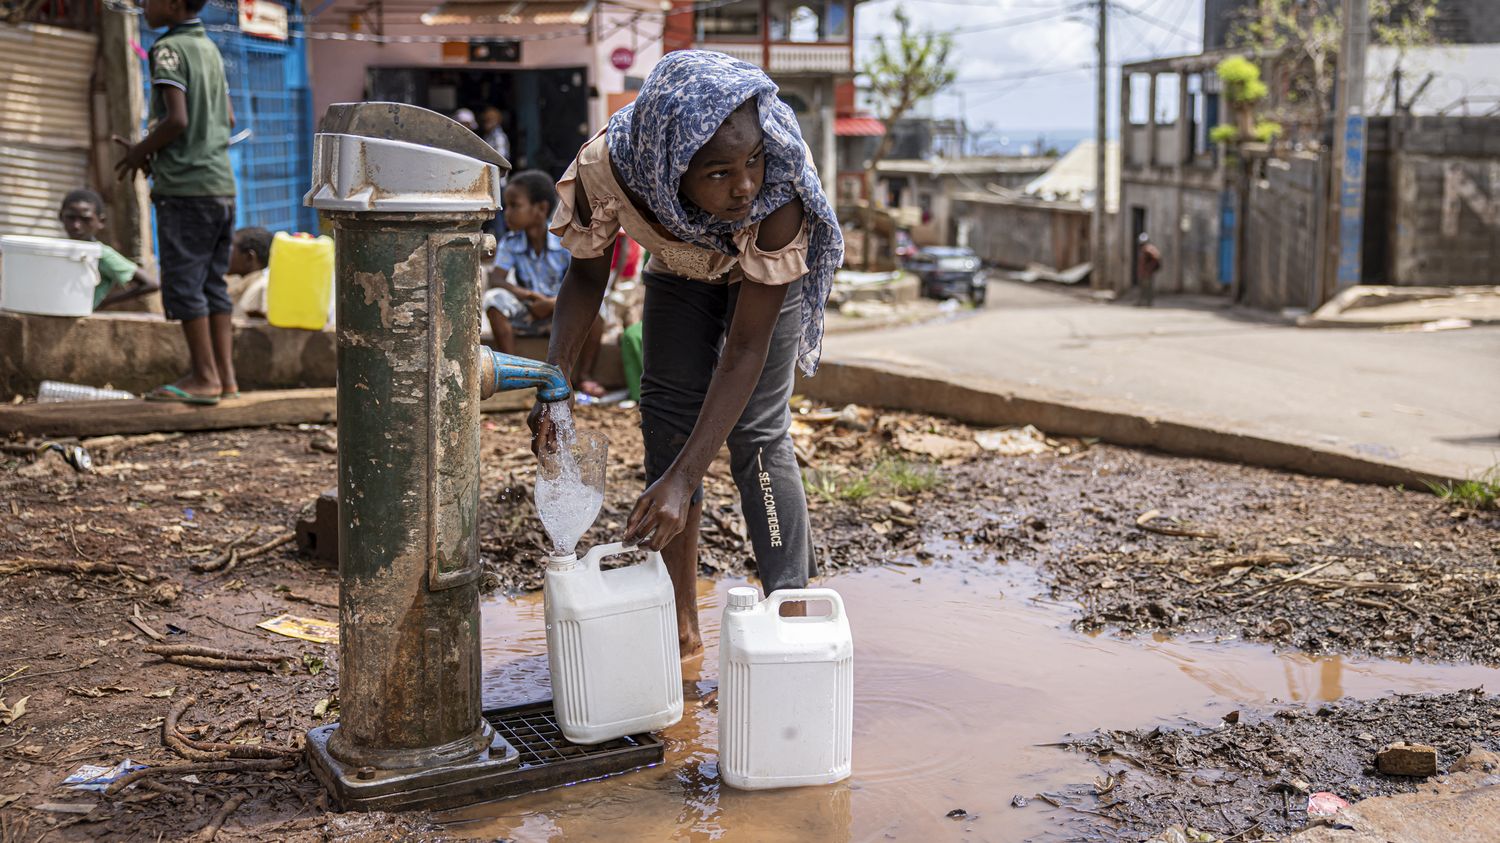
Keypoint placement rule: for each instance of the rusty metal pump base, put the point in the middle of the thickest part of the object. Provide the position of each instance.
(444, 786)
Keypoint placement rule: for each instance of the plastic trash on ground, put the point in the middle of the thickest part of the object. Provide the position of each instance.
(97, 778)
(306, 629)
(1325, 804)
(1012, 442)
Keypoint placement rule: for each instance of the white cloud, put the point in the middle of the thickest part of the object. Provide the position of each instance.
(1052, 99)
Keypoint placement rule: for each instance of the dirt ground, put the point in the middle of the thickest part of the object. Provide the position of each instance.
(1303, 563)
(1251, 779)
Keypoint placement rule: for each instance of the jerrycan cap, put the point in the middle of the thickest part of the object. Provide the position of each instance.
(743, 597)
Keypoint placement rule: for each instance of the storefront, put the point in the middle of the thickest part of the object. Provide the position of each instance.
(557, 70)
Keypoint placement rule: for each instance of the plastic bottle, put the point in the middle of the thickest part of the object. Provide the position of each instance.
(53, 391)
(300, 290)
(786, 699)
(611, 646)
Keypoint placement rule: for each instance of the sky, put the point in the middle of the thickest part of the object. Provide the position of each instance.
(1026, 65)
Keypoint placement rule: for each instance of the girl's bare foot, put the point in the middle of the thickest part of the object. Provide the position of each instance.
(591, 388)
(689, 641)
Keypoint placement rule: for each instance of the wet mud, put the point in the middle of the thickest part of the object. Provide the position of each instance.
(1000, 603)
(1251, 779)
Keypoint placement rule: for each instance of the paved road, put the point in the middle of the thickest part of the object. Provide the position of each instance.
(1428, 401)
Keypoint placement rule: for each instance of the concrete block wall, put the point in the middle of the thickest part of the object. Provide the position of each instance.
(1445, 212)
(138, 352)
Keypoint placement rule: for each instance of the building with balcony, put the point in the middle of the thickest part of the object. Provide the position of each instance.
(806, 46)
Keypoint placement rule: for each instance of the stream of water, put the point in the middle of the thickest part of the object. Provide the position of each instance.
(570, 481)
(961, 672)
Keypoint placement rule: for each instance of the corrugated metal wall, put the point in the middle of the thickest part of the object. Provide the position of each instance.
(44, 123)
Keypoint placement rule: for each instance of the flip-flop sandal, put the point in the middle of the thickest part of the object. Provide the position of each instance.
(228, 396)
(172, 392)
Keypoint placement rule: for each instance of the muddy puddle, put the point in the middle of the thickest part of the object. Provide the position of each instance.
(962, 671)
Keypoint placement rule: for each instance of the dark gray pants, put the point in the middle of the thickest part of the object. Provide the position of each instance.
(683, 330)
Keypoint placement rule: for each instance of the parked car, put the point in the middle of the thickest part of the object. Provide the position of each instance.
(948, 272)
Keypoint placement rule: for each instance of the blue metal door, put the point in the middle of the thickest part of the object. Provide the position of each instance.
(1227, 204)
(268, 84)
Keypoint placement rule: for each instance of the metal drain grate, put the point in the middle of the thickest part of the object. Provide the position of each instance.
(548, 757)
(533, 756)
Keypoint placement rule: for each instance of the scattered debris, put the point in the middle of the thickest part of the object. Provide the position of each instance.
(1013, 441)
(1178, 834)
(72, 566)
(1152, 521)
(934, 445)
(307, 629)
(232, 556)
(1407, 759)
(92, 777)
(211, 658)
(196, 750)
(327, 707)
(251, 764)
(1325, 804)
(12, 713)
(230, 805)
(66, 807)
(324, 440)
(957, 814)
(1019, 801)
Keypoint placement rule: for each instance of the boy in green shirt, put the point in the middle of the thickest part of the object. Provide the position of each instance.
(186, 154)
(82, 216)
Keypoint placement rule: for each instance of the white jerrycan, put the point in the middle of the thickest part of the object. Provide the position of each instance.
(612, 646)
(786, 700)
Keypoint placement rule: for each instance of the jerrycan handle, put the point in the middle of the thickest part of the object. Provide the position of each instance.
(800, 595)
(604, 551)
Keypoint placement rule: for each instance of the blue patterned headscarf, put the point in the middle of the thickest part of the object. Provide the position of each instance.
(688, 95)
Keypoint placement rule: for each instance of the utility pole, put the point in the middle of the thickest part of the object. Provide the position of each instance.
(1349, 143)
(1101, 74)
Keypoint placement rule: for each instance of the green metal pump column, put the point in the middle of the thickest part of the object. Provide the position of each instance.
(408, 400)
(405, 191)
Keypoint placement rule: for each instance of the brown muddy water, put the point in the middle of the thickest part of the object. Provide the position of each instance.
(962, 672)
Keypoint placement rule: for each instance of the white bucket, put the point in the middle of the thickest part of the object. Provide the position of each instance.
(786, 698)
(612, 646)
(48, 276)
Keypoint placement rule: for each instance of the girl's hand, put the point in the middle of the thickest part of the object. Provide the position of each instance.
(543, 432)
(661, 513)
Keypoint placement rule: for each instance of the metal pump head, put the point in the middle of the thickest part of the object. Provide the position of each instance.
(504, 372)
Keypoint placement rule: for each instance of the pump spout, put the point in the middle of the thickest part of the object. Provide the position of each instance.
(503, 372)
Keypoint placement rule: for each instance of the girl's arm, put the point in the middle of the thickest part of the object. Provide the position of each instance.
(574, 311)
(661, 513)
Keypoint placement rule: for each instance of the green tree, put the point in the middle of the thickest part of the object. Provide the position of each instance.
(903, 71)
(1301, 38)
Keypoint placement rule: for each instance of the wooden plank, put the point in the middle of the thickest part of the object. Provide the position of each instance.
(254, 409)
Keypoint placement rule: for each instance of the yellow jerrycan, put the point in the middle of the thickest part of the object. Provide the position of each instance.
(300, 290)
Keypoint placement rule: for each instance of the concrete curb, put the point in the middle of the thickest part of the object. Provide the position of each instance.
(987, 402)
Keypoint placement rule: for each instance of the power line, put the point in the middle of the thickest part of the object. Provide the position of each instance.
(1024, 75)
(1155, 21)
(989, 27)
